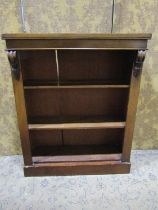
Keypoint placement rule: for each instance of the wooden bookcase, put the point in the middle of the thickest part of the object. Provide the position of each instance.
(76, 97)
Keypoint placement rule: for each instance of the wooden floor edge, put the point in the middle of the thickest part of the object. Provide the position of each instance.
(68, 170)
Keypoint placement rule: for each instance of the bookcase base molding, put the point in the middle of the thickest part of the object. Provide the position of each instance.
(76, 97)
(78, 168)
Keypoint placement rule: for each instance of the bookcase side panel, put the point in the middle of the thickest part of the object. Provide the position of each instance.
(14, 59)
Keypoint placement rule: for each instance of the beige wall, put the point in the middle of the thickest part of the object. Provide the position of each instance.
(45, 16)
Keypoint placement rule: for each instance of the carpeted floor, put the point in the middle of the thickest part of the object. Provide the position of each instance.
(135, 191)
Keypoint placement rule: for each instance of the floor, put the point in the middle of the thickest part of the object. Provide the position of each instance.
(135, 191)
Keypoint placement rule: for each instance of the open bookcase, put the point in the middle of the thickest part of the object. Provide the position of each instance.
(76, 98)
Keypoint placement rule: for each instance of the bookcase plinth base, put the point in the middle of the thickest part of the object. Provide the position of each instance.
(76, 168)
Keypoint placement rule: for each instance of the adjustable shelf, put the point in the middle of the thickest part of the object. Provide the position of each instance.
(99, 125)
(78, 83)
(76, 98)
(74, 86)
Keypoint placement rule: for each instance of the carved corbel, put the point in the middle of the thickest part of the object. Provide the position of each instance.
(12, 57)
(139, 62)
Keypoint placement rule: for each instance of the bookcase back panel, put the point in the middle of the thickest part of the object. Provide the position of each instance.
(42, 103)
(93, 137)
(58, 151)
(68, 142)
(80, 103)
(45, 138)
(95, 65)
(39, 66)
(110, 103)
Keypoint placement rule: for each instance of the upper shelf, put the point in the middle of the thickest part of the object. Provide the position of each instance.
(82, 41)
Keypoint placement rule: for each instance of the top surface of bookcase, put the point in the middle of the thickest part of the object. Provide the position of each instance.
(76, 36)
(29, 41)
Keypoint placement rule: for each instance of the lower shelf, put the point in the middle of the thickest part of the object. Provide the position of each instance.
(75, 158)
(77, 168)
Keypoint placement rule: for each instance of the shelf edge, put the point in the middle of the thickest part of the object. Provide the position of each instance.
(96, 125)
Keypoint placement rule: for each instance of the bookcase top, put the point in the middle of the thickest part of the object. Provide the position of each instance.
(96, 36)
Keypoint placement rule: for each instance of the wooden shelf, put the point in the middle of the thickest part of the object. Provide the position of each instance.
(74, 86)
(41, 84)
(76, 158)
(99, 125)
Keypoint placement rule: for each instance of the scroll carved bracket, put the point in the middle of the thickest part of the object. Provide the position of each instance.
(139, 62)
(12, 57)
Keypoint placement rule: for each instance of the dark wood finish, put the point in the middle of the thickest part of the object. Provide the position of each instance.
(92, 65)
(72, 119)
(32, 41)
(93, 36)
(80, 141)
(131, 44)
(44, 138)
(76, 97)
(12, 57)
(21, 115)
(37, 103)
(77, 168)
(110, 103)
(76, 149)
(76, 158)
(106, 136)
(39, 65)
(132, 104)
(98, 125)
(75, 86)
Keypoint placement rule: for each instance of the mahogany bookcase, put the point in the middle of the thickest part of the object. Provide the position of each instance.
(76, 97)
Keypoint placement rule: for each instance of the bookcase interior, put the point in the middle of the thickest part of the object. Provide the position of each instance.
(76, 67)
(65, 88)
(76, 142)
